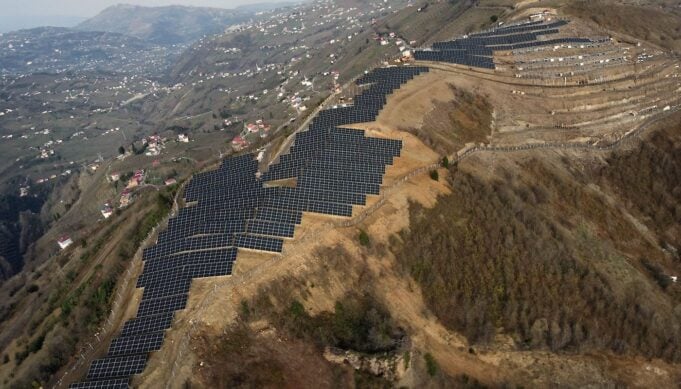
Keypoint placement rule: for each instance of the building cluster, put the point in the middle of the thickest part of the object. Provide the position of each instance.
(154, 144)
(56, 50)
(251, 133)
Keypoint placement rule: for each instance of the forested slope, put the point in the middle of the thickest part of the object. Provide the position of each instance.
(560, 253)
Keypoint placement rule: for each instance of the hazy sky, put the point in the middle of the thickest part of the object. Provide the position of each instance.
(15, 14)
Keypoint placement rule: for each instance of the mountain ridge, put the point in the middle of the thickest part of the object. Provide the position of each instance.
(165, 25)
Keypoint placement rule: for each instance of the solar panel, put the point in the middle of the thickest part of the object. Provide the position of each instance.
(476, 50)
(136, 344)
(116, 367)
(162, 305)
(230, 208)
(118, 383)
(143, 325)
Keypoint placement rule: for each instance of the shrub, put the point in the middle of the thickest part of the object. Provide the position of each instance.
(657, 273)
(364, 238)
(431, 364)
(434, 175)
(245, 310)
(297, 309)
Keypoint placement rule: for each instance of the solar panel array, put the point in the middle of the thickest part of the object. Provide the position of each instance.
(334, 169)
(476, 50)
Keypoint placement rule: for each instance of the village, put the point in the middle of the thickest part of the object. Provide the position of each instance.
(79, 112)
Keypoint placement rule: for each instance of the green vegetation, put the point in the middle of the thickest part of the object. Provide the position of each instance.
(163, 204)
(431, 364)
(245, 309)
(465, 382)
(434, 175)
(34, 346)
(656, 273)
(493, 18)
(83, 309)
(357, 323)
(364, 238)
(445, 162)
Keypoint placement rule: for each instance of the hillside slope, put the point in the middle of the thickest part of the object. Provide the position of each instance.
(547, 259)
(541, 252)
(163, 25)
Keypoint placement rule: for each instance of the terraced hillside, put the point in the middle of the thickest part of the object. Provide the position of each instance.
(501, 212)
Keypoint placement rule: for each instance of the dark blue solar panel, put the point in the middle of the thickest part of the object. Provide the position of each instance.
(333, 169)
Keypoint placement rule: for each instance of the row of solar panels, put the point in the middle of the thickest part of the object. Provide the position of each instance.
(456, 58)
(476, 50)
(527, 27)
(492, 41)
(234, 210)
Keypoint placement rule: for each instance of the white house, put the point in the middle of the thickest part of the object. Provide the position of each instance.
(64, 242)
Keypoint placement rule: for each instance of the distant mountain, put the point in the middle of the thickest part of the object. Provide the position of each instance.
(164, 25)
(9, 22)
(266, 6)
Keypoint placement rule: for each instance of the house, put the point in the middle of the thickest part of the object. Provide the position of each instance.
(170, 181)
(537, 17)
(183, 138)
(115, 176)
(137, 179)
(23, 191)
(239, 143)
(138, 176)
(64, 242)
(126, 198)
(106, 210)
